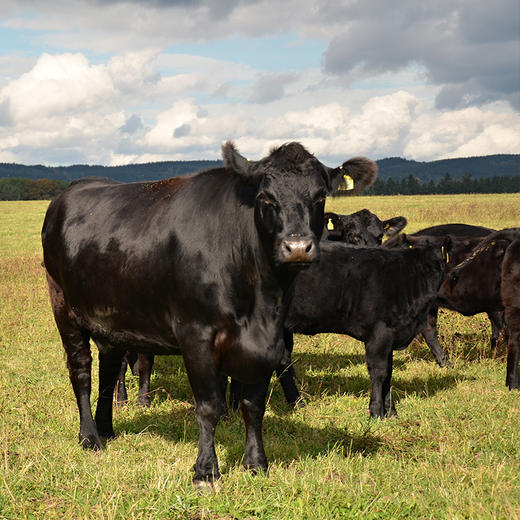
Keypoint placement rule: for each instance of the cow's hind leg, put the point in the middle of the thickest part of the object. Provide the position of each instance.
(431, 337)
(109, 369)
(144, 367)
(76, 342)
(253, 409)
(379, 357)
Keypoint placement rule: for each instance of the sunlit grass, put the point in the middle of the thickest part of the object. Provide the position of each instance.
(452, 452)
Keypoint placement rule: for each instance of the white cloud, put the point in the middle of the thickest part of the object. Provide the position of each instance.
(472, 131)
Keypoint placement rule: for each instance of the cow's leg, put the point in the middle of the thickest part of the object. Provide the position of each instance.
(79, 362)
(497, 326)
(145, 365)
(206, 385)
(286, 374)
(379, 357)
(121, 393)
(431, 337)
(253, 409)
(513, 347)
(109, 369)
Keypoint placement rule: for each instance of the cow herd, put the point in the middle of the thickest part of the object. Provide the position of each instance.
(225, 265)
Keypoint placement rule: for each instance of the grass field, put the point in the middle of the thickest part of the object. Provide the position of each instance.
(453, 451)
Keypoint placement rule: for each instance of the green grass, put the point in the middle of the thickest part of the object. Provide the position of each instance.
(453, 451)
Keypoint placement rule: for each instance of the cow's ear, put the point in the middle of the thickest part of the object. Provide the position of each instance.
(353, 176)
(394, 225)
(446, 247)
(235, 161)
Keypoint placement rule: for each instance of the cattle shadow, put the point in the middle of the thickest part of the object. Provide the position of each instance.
(286, 438)
(169, 379)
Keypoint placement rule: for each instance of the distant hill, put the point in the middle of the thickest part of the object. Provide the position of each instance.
(478, 167)
(394, 167)
(127, 173)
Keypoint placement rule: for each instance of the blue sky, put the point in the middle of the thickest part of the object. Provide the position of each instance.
(111, 82)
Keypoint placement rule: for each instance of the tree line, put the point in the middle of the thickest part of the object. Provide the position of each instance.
(46, 189)
(28, 189)
(412, 185)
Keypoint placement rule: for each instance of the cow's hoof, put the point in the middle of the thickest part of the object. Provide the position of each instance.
(206, 486)
(299, 403)
(106, 432)
(445, 363)
(257, 467)
(144, 401)
(91, 442)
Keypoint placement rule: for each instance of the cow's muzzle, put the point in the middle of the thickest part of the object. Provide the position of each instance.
(297, 249)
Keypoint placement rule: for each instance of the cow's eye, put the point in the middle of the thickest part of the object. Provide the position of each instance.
(265, 199)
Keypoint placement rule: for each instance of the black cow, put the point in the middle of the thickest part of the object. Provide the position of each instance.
(377, 296)
(489, 281)
(198, 265)
(362, 228)
(464, 238)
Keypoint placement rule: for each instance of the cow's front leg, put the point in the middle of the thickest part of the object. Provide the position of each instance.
(253, 409)
(206, 385)
(379, 357)
(109, 371)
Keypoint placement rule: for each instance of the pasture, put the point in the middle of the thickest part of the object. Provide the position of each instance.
(452, 452)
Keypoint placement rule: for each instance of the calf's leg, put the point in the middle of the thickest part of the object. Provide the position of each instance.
(121, 393)
(513, 348)
(497, 326)
(144, 367)
(379, 357)
(286, 374)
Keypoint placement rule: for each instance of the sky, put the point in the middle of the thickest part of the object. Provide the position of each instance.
(115, 82)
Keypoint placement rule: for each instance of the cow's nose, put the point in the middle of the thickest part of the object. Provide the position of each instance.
(298, 250)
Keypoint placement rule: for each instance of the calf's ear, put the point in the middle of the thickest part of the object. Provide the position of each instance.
(353, 176)
(394, 225)
(235, 161)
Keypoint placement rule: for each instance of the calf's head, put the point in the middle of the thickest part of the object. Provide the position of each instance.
(291, 188)
(362, 228)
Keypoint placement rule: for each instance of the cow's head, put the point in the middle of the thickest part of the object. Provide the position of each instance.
(362, 228)
(291, 187)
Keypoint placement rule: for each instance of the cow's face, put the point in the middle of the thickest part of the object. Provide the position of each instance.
(362, 228)
(292, 186)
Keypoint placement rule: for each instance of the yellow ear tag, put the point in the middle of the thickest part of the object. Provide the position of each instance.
(348, 183)
(330, 225)
(387, 226)
(445, 255)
